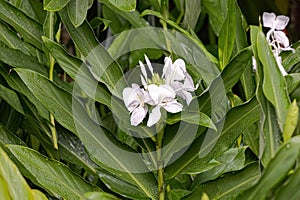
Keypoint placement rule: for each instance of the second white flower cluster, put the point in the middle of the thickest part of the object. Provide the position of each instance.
(276, 37)
(158, 92)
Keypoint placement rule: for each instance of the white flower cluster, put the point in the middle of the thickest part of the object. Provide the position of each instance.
(276, 37)
(158, 92)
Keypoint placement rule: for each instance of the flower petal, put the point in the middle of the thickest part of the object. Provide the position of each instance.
(138, 115)
(188, 84)
(159, 93)
(172, 107)
(154, 116)
(149, 64)
(179, 69)
(281, 38)
(143, 69)
(281, 22)
(269, 19)
(129, 96)
(167, 69)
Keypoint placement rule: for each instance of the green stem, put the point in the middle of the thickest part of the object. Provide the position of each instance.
(51, 70)
(160, 166)
(52, 120)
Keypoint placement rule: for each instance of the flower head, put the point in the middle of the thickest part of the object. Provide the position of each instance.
(270, 20)
(276, 37)
(158, 92)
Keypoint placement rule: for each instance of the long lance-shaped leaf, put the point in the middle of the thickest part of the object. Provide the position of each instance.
(126, 5)
(228, 186)
(28, 28)
(11, 98)
(277, 170)
(12, 183)
(8, 56)
(133, 17)
(217, 13)
(106, 152)
(77, 11)
(43, 171)
(209, 145)
(269, 130)
(55, 5)
(274, 85)
(227, 35)
(102, 65)
(11, 39)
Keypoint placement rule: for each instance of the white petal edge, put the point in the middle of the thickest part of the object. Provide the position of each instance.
(154, 116)
(138, 115)
(149, 64)
(281, 38)
(173, 107)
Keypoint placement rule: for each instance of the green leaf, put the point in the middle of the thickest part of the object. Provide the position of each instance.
(12, 183)
(216, 10)
(104, 152)
(290, 190)
(7, 137)
(72, 150)
(292, 58)
(227, 35)
(291, 121)
(55, 5)
(15, 82)
(192, 13)
(293, 81)
(71, 66)
(44, 171)
(8, 56)
(186, 33)
(276, 171)
(99, 195)
(77, 11)
(224, 82)
(269, 134)
(177, 194)
(121, 187)
(29, 29)
(197, 118)
(208, 146)
(11, 39)
(97, 21)
(101, 64)
(125, 5)
(26, 7)
(11, 98)
(231, 160)
(229, 185)
(274, 85)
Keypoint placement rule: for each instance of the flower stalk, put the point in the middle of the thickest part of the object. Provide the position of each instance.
(160, 166)
(50, 33)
